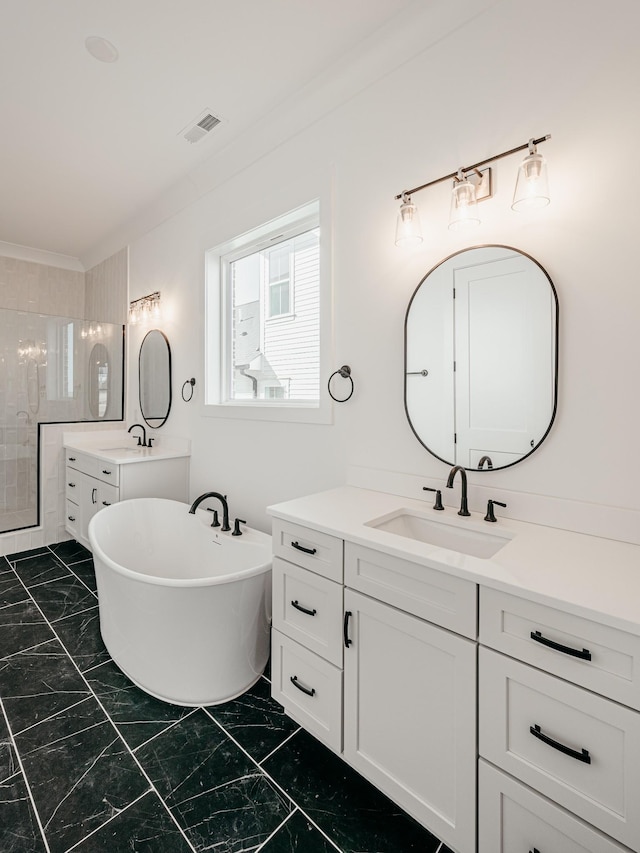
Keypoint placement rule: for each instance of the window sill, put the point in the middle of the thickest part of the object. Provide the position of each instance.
(272, 411)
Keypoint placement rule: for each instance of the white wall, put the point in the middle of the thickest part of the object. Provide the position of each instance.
(566, 67)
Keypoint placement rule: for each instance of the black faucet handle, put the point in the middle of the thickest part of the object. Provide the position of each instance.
(139, 441)
(149, 441)
(490, 516)
(438, 504)
(215, 522)
(236, 526)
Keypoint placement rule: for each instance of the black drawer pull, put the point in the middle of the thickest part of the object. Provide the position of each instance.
(72, 459)
(585, 654)
(71, 517)
(106, 503)
(535, 850)
(94, 498)
(345, 628)
(303, 609)
(296, 683)
(299, 547)
(72, 485)
(104, 471)
(583, 755)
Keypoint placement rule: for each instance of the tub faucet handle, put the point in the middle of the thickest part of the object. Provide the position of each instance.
(214, 522)
(236, 526)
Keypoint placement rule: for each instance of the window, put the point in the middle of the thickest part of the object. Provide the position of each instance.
(264, 315)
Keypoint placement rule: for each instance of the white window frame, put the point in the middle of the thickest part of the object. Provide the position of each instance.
(216, 309)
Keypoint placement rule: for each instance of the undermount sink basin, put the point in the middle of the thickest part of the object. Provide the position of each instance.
(120, 449)
(454, 537)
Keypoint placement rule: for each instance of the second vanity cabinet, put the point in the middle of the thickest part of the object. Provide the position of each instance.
(92, 483)
(376, 656)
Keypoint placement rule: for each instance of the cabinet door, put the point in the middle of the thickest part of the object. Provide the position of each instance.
(410, 715)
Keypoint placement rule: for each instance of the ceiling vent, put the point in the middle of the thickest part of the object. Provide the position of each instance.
(194, 132)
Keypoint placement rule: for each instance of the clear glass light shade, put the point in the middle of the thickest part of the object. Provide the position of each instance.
(532, 186)
(464, 207)
(408, 230)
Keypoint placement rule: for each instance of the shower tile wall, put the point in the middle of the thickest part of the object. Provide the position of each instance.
(106, 292)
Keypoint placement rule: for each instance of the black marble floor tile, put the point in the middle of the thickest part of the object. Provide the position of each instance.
(40, 568)
(37, 683)
(255, 720)
(19, 830)
(22, 555)
(85, 571)
(22, 626)
(351, 811)
(81, 637)
(8, 761)
(63, 597)
(79, 771)
(137, 715)
(70, 551)
(218, 796)
(11, 590)
(144, 827)
(298, 835)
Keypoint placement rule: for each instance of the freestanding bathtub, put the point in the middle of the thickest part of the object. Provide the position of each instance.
(184, 608)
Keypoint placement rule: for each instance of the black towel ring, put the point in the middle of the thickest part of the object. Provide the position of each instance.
(191, 382)
(345, 372)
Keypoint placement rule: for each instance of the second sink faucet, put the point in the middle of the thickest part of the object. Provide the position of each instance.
(464, 508)
(142, 441)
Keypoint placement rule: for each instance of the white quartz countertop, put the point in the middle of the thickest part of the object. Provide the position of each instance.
(586, 575)
(123, 449)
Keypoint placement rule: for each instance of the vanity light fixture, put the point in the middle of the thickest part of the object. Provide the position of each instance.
(473, 184)
(408, 231)
(145, 310)
(464, 204)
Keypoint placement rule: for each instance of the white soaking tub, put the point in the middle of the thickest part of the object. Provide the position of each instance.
(184, 608)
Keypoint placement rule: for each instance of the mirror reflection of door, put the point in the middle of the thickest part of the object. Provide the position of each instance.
(154, 371)
(98, 381)
(483, 324)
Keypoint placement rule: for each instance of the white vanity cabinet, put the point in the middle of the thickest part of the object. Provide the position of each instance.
(558, 699)
(381, 681)
(92, 482)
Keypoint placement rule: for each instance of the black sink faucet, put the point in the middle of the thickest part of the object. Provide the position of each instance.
(223, 501)
(142, 442)
(464, 509)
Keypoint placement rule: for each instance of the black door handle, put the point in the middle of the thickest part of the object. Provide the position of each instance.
(345, 628)
(303, 609)
(299, 547)
(583, 755)
(296, 683)
(585, 654)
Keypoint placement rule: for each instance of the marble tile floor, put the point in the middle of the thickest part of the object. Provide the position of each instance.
(89, 763)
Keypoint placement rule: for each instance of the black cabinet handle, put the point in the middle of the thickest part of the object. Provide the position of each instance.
(299, 547)
(296, 683)
(94, 492)
(72, 485)
(72, 459)
(345, 628)
(585, 654)
(104, 471)
(303, 609)
(71, 517)
(535, 850)
(106, 503)
(583, 755)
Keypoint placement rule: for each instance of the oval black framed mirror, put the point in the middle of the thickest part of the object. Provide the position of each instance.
(481, 358)
(99, 385)
(154, 378)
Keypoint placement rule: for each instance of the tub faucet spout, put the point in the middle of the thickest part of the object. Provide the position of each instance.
(223, 501)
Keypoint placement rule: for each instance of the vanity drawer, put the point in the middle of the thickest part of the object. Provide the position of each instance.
(107, 495)
(108, 472)
(514, 819)
(72, 484)
(309, 688)
(603, 659)
(575, 747)
(319, 552)
(428, 593)
(81, 462)
(72, 517)
(308, 608)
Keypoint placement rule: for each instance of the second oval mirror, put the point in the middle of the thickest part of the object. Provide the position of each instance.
(154, 374)
(481, 358)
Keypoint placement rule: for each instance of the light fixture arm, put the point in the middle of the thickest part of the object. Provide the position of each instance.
(531, 143)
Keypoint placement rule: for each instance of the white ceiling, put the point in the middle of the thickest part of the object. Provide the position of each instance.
(85, 144)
